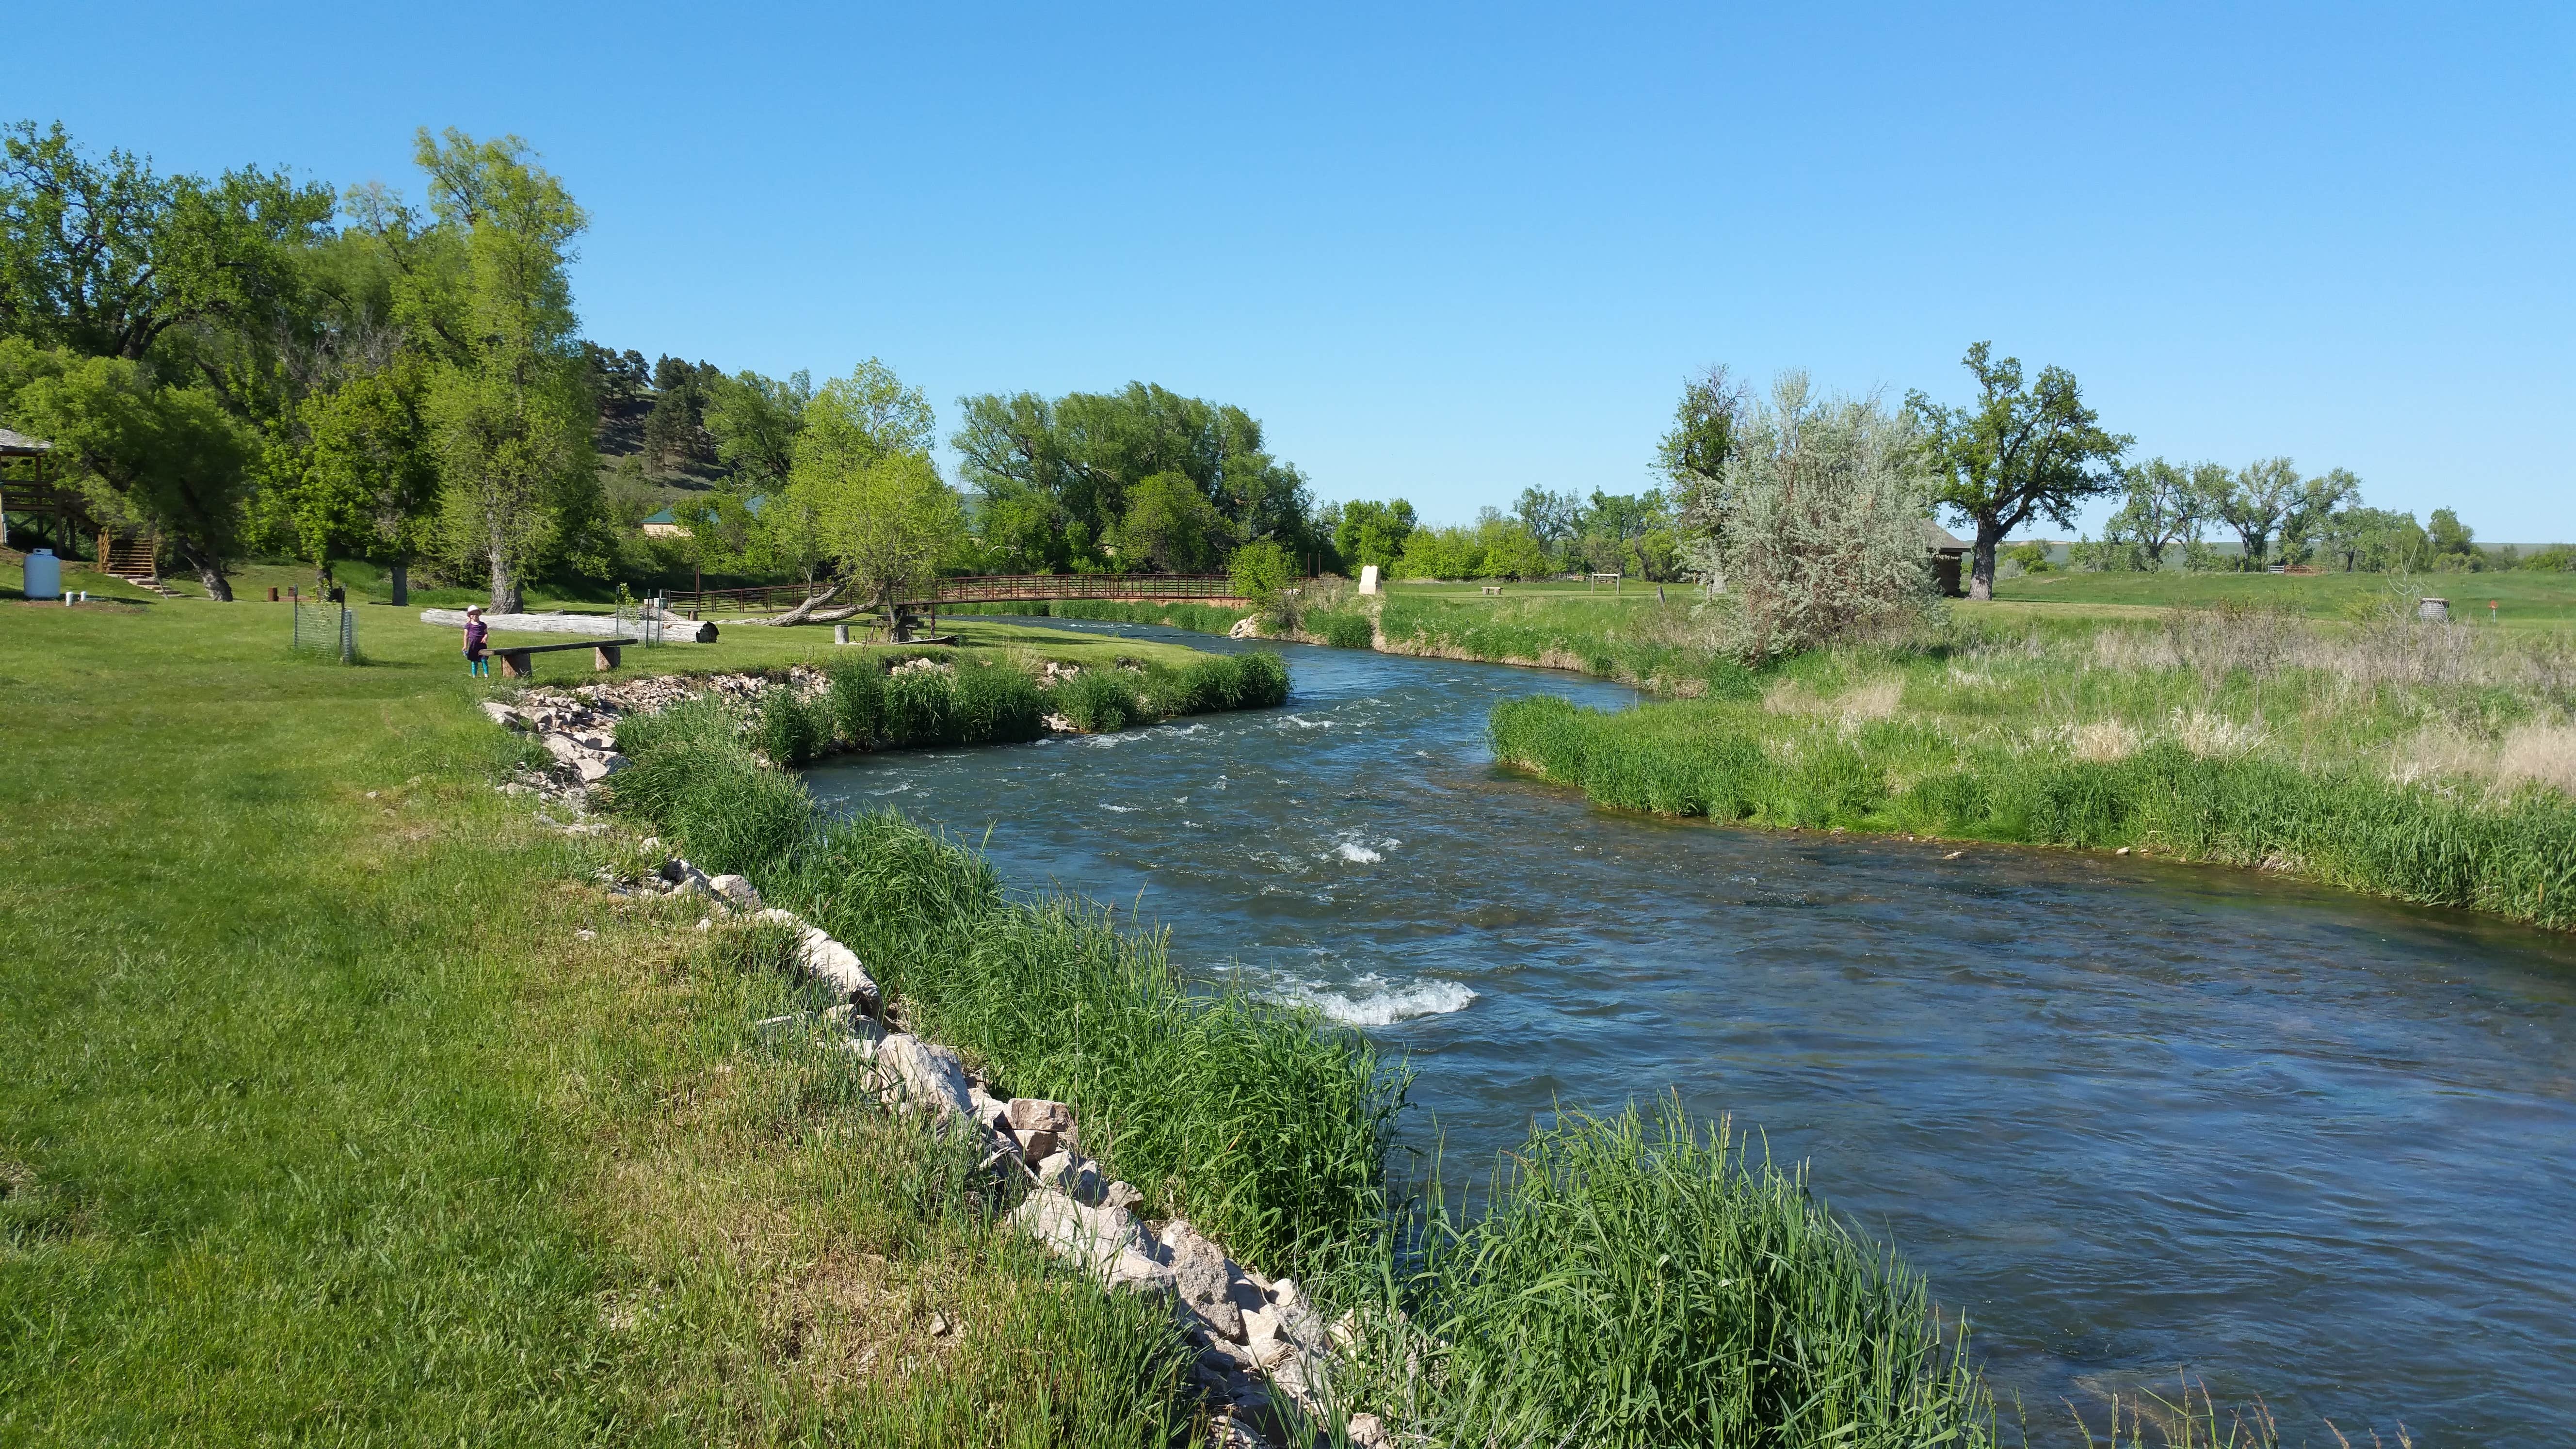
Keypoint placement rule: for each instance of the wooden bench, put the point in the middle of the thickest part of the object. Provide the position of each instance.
(514, 657)
(1493, 591)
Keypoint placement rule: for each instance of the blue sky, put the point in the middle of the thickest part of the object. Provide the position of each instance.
(1448, 253)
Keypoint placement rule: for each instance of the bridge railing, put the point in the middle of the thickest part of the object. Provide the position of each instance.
(1002, 588)
(760, 599)
(972, 589)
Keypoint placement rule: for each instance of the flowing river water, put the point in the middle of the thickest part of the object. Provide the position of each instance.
(2136, 1119)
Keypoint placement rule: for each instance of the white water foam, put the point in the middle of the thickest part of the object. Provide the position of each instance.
(1121, 809)
(1369, 1001)
(1359, 851)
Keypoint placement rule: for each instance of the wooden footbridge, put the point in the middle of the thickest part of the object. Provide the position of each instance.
(978, 589)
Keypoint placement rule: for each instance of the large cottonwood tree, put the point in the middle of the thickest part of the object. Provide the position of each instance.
(2022, 450)
(485, 289)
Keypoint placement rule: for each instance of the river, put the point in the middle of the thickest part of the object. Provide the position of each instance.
(2136, 1119)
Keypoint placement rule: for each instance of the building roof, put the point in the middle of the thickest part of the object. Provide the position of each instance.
(665, 516)
(19, 445)
(1942, 540)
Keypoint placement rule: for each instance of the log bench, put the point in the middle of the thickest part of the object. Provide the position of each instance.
(1493, 591)
(514, 657)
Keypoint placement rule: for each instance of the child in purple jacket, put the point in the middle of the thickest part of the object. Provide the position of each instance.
(477, 661)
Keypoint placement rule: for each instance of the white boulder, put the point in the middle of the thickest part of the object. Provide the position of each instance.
(925, 1077)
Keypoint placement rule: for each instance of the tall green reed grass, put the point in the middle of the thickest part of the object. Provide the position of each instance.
(693, 777)
(1197, 618)
(1644, 1282)
(2415, 842)
(1257, 1121)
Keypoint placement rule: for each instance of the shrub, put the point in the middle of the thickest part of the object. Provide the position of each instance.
(1260, 570)
(1821, 536)
(1098, 700)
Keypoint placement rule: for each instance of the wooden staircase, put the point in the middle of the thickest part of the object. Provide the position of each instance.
(134, 559)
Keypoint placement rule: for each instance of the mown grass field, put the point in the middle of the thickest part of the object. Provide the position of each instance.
(323, 1123)
(2523, 600)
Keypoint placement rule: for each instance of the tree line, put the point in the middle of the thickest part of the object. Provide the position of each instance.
(254, 363)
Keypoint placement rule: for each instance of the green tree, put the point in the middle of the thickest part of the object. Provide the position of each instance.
(2164, 505)
(2451, 543)
(106, 258)
(1510, 550)
(486, 291)
(1054, 475)
(366, 481)
(755, 421)
(1372, 533)
(885, 521)
(1550, 517)
(2254, 503)
(1170, 526)
(2318, 499)
(2018, 452)
(172, 460)
(1692, 456)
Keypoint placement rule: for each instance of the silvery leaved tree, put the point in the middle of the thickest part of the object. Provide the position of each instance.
(1822, 535)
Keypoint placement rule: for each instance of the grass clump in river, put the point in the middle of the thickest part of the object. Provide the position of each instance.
(2429, 762)
(1639, 1282)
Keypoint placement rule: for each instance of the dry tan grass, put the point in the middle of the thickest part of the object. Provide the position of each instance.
(1875, 699)
(2539, 754)
(2210, 735)
(2101, 741)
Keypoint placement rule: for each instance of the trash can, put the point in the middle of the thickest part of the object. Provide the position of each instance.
(2433, 610)
(44, 575)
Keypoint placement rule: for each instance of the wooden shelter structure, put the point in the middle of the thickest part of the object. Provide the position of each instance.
(1949, 551)
(26, 493)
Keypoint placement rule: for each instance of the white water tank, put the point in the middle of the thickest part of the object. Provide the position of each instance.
(44, 575)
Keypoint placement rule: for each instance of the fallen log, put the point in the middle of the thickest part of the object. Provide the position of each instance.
(603, 626)
(801, 612)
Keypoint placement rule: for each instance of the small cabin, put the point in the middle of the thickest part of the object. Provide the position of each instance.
(1949, 553)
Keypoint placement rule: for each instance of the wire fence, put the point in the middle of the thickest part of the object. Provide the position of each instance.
(327, 629)
(642, 619)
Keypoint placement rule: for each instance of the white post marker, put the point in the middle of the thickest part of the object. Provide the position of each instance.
(1368, 578)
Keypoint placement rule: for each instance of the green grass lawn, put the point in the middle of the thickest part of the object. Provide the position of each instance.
(322, 1122)
(2522, 599)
